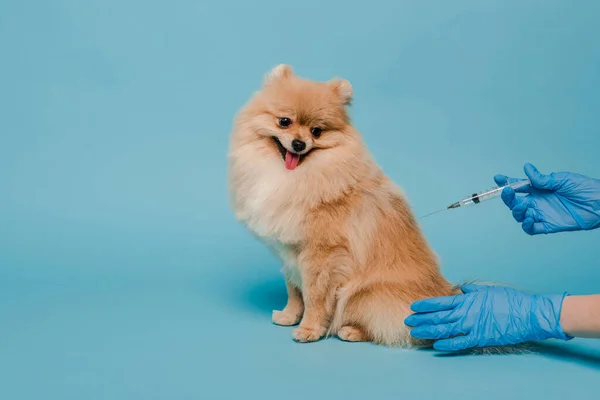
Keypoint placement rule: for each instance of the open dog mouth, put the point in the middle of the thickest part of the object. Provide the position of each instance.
(291, 159)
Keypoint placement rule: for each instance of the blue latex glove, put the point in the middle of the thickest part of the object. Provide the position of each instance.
(559, 202)
(486, 316)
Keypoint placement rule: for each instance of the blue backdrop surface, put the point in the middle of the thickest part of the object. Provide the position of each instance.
(123, 274)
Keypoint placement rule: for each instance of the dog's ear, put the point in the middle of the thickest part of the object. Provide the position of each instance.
(280, 72)
(343, 89)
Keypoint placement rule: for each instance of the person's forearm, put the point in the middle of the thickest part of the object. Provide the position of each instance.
(580, 316)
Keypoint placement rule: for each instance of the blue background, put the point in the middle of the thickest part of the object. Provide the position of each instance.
(123, 274)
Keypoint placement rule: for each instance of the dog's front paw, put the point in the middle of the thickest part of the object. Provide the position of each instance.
(304, 334)
(286, 317)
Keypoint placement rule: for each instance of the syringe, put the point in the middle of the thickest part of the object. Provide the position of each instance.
(477, 198)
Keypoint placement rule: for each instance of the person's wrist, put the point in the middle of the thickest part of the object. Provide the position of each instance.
(550, 322)
(567, 321)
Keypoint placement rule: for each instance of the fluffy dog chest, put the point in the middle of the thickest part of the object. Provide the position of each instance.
(269, 208)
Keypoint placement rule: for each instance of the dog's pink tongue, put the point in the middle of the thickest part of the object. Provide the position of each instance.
(291, 160)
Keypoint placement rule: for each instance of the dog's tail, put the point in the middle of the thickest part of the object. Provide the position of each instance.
(342, 296)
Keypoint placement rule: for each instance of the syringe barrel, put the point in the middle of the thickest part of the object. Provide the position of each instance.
(477, 198)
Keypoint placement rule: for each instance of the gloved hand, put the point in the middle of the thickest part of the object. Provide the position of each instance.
(486, 316)
(561, 201)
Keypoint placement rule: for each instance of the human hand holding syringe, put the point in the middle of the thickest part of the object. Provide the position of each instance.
(558, 202)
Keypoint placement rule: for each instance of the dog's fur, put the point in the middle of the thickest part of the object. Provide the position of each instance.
(354, 257)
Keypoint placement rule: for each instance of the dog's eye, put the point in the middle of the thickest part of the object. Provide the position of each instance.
(316, 132)
(284, 122)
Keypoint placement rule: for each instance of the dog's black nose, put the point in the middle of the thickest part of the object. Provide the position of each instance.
(298, 145)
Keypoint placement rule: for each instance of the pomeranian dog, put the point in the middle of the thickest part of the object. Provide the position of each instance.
(302, 180)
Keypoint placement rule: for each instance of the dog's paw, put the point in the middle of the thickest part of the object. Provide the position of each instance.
(351, 334)
(305, 334)
(285, 318)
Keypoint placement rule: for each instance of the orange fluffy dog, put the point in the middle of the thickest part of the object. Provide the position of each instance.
(302, 180)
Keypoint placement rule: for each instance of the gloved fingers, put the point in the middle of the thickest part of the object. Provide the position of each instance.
(525, 208)
(471, 287)
(432, 318)
(533, 214)
(519, 211)
(437, 304)
(437, 331)
(513, 201)
(455, 344)
(502, 180)
(509, 197)
(539, 180)
(531, 227)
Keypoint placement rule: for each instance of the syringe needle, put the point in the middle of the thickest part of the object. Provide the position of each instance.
(477, 198)
(435, 212)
